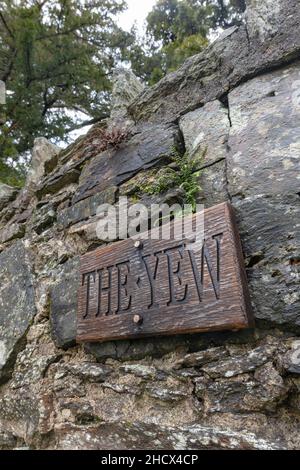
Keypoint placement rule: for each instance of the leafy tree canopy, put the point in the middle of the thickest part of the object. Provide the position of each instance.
(177, 29)
(56, 57)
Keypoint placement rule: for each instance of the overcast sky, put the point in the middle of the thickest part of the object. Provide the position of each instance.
(137, 11)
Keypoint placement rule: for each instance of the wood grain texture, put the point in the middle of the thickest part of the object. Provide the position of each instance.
(163, 288)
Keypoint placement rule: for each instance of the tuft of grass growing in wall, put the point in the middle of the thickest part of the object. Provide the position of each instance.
(183, 173)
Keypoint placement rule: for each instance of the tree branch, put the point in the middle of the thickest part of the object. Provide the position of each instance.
(87, 123)
(6, 25)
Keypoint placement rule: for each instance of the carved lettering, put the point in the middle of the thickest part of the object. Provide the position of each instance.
(106, 289)
(123, 287)
(214, 274)
(177, 272)
(88, 276)
(152, 275)
(166, 286)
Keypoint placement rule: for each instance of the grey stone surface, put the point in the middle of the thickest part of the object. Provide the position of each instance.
(11, 232)
(126, 87)
(85, 208)
(270, 235)
(168, 392)
(20, 414)
(206, 130)
(131, 350)
(44, 218)
(30, 368)
(263, 179)
(200, 358)
(264, 18)
(17, 304)
(7, 441)
(7, 194)
(146, 148)
(43, 153)
(121, 436)
(226, 63)
(213, 184)
(89, 371)
(63, 304)
(264, 391)
(55, 182)
(264, 137)
(291, 360)
(2, 92)
(232, 366)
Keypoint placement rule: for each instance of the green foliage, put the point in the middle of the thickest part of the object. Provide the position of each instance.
(177, 52)
(177, 29)
(184, 175)
(11, 175)
(56, 58)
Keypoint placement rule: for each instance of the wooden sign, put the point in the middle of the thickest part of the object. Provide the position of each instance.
(133, 289)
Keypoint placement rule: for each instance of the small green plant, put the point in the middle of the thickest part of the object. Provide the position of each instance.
(183, 174)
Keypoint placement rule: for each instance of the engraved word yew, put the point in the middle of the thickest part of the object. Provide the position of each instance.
(132, 289)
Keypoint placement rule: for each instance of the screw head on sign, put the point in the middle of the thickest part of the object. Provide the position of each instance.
(137, 319)
(138, 244)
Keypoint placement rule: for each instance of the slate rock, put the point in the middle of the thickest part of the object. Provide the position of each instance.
(171, 391)
(44, 158)
(262, 173)
(239, 364)
(17, 304)
(7, 441)
(20, 410)
(44, 218)
(58, 180)
(11, 232)
(264, 19)
(269, 225)
(85, 208)
(126, 87)
(7, 194)
(113, 167)
(30, 368)
(63, 304)
(233, 58)
(291, 360)
(205, 131)
(89, 371)
(264, 137)
(133, 350)
(243, 393)
(140, 370)
(201, 358)
(213, 184)
(137, 435)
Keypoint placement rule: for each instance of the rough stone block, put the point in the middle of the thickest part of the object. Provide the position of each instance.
(17, 304)
(206, 130)
(272, 39)
(85, 208)
(113, 167)
(264, 137)
(7, 194)
(63, 304)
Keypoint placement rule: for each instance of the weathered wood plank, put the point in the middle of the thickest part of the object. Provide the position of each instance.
(162, 288)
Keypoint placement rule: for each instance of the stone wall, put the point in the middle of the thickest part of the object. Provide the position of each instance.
(240, 100)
